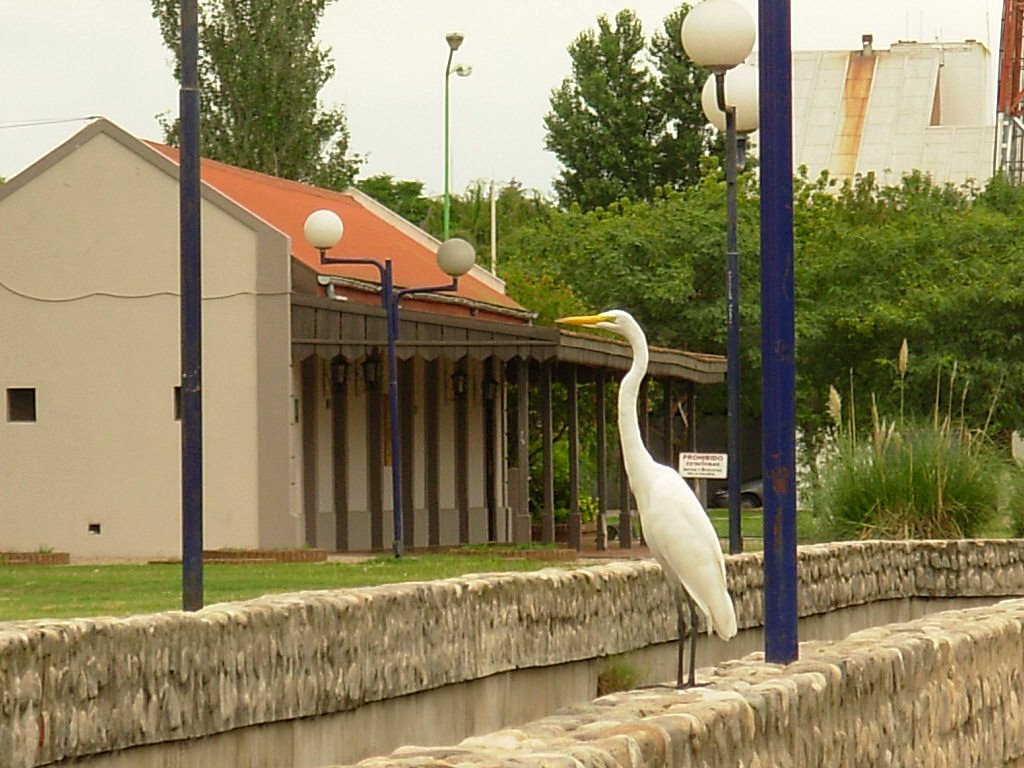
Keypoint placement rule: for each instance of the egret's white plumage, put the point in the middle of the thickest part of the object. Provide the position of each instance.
(675, 526)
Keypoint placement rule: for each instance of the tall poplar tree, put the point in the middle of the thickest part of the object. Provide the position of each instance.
(260, 73)
(628, 120)
(602, 126)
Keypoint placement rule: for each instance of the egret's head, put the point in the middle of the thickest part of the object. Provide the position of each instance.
(612, 320)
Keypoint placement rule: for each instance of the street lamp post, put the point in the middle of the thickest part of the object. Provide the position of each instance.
(454, 41)
(323, 229)
(190, 197)
(719, 35)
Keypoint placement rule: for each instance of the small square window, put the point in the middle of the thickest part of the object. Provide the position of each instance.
(21, 404)
(177, 403)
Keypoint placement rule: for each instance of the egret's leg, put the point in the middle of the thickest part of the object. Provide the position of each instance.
(692, 680)
(681, 629)
(693, 641)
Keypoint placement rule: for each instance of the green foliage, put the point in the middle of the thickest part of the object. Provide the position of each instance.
(910, 478)
(560, 454)
(1013, 499)
(687, 137)
(940, 266)
(617, 674)
(403, 197)
(260, 70)
(921, 483)
(663, 260)
(628, 120)
(471, 213)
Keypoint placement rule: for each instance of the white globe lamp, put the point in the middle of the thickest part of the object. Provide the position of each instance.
(323, 229)
(456, 257)
(741, 92)
(718, 34)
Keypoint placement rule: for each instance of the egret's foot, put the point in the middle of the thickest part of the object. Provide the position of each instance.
(653, 685)
(690, 684)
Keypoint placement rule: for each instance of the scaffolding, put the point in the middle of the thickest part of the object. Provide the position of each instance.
(1009, 158)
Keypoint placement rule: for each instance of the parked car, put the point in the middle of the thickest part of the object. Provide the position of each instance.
(751, 495)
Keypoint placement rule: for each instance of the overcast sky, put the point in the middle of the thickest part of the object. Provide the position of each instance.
(63, 59)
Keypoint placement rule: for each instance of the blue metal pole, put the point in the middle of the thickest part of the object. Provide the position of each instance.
(777, 333)
(191, 316)
(732, 371)
(391, 300)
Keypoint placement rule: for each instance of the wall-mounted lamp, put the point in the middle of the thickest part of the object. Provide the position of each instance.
(339, 371)
(371, 371)
(460, 382)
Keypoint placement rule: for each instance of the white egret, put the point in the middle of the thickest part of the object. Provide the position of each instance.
(676, 527)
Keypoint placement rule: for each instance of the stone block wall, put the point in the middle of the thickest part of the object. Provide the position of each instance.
(76, 688)
(944, 690)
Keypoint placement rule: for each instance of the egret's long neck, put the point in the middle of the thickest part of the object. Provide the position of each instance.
(634, 452)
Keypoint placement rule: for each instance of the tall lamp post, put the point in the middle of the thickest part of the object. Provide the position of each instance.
(454, 41)
(191, 317)
(719, 35)
(323, 229)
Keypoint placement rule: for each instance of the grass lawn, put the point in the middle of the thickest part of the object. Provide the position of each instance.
(68, 591)
(752, 527)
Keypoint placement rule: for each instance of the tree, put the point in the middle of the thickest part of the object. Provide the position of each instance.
(602, 125)
(939, 266)
(628, 120)
(687, 135)
(260, 73)
(403, 197)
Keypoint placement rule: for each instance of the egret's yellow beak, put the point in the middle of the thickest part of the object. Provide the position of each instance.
(583, 320)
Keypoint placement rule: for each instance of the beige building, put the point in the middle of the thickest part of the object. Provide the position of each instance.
(915, 106)
(295, 419)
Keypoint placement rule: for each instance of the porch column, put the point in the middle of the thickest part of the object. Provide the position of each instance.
(602, 462)
(575, 533)
(625, 502)
(339, 458)
(491, 388)
(432, 446)
(625, 514)
(666, 423)
(547, 521)
(375, 409)
(521, 519)
(407, 428)
(309, 454)
(462, 451)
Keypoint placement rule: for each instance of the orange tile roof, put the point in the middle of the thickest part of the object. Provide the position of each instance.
(285, 205)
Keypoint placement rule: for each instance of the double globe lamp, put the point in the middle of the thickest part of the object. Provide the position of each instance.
(719, 35)
(455, 257)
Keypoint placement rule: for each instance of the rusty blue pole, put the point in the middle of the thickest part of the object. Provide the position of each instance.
(777, 332)
(191, 316)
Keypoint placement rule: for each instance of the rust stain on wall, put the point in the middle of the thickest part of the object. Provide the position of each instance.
(856, 91)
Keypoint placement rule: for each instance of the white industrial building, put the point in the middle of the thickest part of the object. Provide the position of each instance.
(915, 106)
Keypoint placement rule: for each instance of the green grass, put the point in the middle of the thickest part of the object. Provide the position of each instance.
(752, 526)
(68, 591)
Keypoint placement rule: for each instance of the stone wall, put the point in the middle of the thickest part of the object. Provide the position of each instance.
(944, 690)
(77, 688)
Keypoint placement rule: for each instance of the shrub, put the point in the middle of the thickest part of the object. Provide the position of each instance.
(913, 479)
